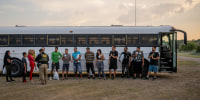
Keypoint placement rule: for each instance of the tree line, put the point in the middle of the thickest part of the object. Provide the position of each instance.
(193, 45)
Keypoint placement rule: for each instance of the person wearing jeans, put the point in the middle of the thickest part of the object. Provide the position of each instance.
(76, 56)
(24, 64)
(99, 63)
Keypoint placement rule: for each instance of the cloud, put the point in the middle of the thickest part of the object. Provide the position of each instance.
(12, 8)
(107, 12)
(160, 10)
(1, 12)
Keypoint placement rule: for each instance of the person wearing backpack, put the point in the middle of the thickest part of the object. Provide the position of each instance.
(43, 59)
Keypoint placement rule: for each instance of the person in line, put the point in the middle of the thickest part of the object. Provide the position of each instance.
(113, 61)
(7, 63)
(55, 56)
(24, 69)
(153, 66)
(43, 59)
(40, 52)
(139, 62)
(99, 63)
(126, 63)
(31, 62)
(89, 57)
(66, 59)
(76, 56)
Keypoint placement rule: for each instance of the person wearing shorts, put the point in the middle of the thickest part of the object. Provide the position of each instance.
(139, 62)
(113, 61)
(153, 66)
(55, 56)
(66, 59)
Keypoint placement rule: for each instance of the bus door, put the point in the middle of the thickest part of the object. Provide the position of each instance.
(168, 52)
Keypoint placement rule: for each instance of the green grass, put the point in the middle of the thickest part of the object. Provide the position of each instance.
(194, 55)
(187, 63)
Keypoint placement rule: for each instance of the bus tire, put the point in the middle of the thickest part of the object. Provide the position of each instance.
(16, 67)
(145, 68)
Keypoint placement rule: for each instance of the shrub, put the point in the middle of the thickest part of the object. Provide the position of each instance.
(198, 49)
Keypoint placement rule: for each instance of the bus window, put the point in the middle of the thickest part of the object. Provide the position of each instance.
(79, 40)
(106, 40)
(41, 39)
(15, 40)
(93, 40)
(53, 39)
(148, 39)
(27, 39)
(120, 39)
(66, 40)
(3, 39)
(132, 39)
(166, 43)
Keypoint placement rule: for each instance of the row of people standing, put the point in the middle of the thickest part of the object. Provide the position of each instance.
(42, 59)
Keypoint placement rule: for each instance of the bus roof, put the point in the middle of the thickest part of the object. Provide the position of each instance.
(85, 30)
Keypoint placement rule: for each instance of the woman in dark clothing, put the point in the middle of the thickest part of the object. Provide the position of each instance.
(7, 63)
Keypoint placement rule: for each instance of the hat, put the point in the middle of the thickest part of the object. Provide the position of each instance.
(88, 48)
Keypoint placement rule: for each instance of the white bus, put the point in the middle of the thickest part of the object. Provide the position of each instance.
(20, 39)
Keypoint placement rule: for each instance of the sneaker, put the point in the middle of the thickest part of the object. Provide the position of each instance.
(24, 81)
(113, 78)
(154, 78)
(12, 80)
(50, 78)
(93, 78)
(147, 78)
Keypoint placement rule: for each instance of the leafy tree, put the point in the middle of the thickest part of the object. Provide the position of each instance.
(189, 47)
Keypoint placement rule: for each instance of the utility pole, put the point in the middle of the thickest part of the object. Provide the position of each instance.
(135, 12)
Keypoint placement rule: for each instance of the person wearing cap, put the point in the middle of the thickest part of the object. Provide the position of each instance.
(139, 62)
(76, 56)
(89, 57)
(43, 59)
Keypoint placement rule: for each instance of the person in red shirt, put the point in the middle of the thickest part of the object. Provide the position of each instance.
(31, 62)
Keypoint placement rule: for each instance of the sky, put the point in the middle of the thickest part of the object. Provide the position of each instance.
(182, 14)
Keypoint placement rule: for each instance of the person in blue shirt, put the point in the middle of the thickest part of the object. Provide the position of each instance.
(76, 56)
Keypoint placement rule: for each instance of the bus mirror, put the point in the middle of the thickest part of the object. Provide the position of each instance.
(185, 34)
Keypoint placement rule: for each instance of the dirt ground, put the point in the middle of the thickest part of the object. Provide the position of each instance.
(184, 85)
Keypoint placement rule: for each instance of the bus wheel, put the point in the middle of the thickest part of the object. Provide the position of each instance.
(16, 68)
(145, 68)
